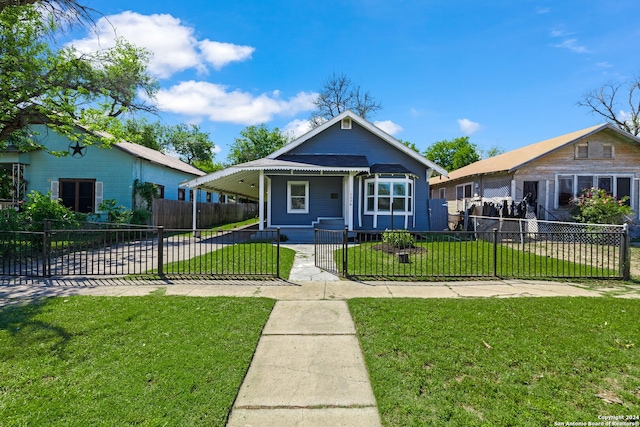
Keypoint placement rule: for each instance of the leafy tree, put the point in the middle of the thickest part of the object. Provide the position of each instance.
(493, 151)
(62, 10)
(63, 88)
(338, 94)
(187, 141)
(453, 154)
(411, 145)
(609, 101)
(190, 143)
(142, 132)
(256, 142)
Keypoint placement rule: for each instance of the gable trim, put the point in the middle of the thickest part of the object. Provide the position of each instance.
(368, 126)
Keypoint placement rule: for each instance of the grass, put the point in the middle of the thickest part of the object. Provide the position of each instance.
(257, 259)
(516, 362)
(105, 361)
(466, 259)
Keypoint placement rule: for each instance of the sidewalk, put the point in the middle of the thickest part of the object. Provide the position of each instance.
(308, 369)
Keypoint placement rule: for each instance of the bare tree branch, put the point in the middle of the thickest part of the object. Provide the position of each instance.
(605, 101)
(339, 94)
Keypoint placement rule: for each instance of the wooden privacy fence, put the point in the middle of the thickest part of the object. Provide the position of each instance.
(179, 213)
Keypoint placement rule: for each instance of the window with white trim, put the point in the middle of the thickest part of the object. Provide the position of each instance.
(442, 193)
(298, 197)
(463, 191)
(386, 194)
(618, 186)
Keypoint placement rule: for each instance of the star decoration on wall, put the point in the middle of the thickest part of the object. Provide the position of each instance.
(77, 150)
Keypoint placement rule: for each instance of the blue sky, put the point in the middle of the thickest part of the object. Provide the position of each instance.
(506, 73)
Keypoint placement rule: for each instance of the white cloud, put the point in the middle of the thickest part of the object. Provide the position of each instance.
(604, 64)
(467, 126)
(297, 128)
(219, 104)
(172, 44)
(542, 10)
(216, 149)
(572, 44)
(388, 126)
(221, 54)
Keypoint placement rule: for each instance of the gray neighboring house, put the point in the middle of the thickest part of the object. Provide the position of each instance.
(549, 173)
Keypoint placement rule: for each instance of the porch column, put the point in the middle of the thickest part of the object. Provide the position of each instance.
(261, 201)
(350, 202)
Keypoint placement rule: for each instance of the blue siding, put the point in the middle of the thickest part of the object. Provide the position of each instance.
(113, 167)
(359, 141)
(321, 205)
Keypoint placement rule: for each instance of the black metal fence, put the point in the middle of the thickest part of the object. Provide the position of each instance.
(141, 251)
(404, 255)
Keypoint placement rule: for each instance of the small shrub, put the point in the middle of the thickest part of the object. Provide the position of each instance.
(140, 217)
(596, 206)
(40, 207)
(115, 214)
(398, 238)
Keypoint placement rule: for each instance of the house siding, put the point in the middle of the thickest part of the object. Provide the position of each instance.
(321, 205)
(359, 141)
(562, 161)
(113, 167)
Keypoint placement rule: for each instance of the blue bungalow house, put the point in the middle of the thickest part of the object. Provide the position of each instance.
(90, 174)
(344, 173)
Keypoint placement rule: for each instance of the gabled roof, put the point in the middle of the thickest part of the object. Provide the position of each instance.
(147, 153)
(157, 157)
(512, 160)
(365, 124)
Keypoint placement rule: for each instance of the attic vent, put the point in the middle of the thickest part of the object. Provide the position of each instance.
(346, 123)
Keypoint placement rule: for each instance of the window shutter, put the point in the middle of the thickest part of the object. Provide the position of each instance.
(98, 190)
(55, 190)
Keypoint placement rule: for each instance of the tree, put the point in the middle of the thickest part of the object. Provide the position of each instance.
(138, 131)
(608, 101)
(187, 141)
(63, 88)
(453, 154)
(256, 142)
(338, 94)
(190, 143)
(493, 151)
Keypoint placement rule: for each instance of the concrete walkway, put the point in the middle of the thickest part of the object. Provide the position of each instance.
(308, 370)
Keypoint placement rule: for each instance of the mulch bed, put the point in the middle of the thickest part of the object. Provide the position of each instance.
(390, 249)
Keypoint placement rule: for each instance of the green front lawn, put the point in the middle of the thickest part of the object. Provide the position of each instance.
(517, 362)
(468, 259)
(257, 259)
(156, 360)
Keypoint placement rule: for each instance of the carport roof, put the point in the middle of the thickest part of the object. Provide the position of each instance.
(243, 179)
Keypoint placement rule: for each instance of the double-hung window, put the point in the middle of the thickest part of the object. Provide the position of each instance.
(298, 197)
(384, 195)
